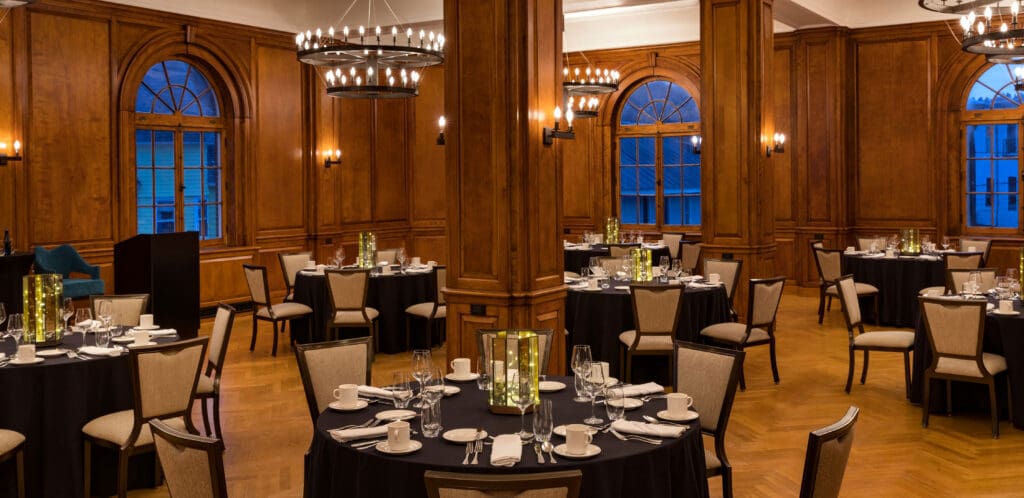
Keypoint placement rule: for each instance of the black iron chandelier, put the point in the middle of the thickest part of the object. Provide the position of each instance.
(582, 88)
(997, 33)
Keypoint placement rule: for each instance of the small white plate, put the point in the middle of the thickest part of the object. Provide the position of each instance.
(590, 289)
(995, 312)
(551, 386)
(621, 287)
(592, 451)
(464, 435)
(686, 417)
(151, 327)
(611, 381)
(337, 406)
(451, 390)
(393, 415)
(150, 343)
(628, 403)
(413, 447)
(462, 378)
(51, 352)
(560, 430)
(35, 360)
(123, 339)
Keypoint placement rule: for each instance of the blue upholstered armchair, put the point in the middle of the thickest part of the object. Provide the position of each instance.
(64, 260)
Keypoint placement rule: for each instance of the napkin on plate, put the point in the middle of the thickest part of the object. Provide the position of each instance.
(875, 255)
(346, 435)
(506, 451)
(158, 332)
(643, 389)
(653, 246)
(375, 392)
(98, 351)
(928, 258)
(645, 429)
(703, 285)
(87, 324)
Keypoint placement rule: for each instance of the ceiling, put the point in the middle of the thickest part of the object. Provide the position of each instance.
(589, 24)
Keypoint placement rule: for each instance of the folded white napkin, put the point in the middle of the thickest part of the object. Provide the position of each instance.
(85, 324)
(928, 258)
(98, 351)
(375, 392)
(506, 451)
(875, 255)
(643, 389)
(645, 429)
(159, 332)
(653, 246)
(346, 435)
(703, 285)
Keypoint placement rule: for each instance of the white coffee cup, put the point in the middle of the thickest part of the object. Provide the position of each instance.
(577, 438)
(971, 249)
(890, 253)
(591, 283)
(385, 269)
(141, 337)
(460, 367)
(398, 435)
(311, 265)
(416, 260)
(146, 321)
(678, 403)
(1005, 306)
(431, 263)
(714, 278)
(850, 249)
(26, 353)
(347, 394)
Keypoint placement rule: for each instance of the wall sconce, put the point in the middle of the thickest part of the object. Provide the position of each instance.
(332, 158)
(441, 123)
(696, 141)
(550, 134)
(3, 153)
(778, 144)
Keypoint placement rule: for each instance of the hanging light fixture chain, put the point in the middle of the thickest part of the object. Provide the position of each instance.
(345, 14)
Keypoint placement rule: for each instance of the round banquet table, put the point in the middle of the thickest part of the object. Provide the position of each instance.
(598, 317)
(898, 281)
(1004, 335)
(49, 403)
(388, 294)
(577, 258)
(623, 468)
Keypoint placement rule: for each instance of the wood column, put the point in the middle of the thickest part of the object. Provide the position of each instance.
(504, 192)
(737, 110)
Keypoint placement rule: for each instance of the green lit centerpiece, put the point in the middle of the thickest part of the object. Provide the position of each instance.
(514, 354)
(611, 231)
(367, 250)
(911, 241)
(41, 299)
(642, 267)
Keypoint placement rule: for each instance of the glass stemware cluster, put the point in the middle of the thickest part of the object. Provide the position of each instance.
(431, 380)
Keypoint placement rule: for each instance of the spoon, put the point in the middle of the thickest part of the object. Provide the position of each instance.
(653, 420)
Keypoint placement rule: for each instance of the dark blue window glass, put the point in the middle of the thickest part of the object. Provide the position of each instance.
(992, 175)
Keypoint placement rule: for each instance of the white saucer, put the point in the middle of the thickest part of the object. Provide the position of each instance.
(52, 352)
(560, 430)
(686, 417)
(611, 381)
(459, 378)
(451, 390)
(123, 339)
(628, 403)
(464, 435)
(413, 446)
(149, 343)
(393, 415)
(337, 406)
(150, 327)
(592, 451)
(590, 289)
(994, 312)
(550, 386)
(621, 287)
(35, 360)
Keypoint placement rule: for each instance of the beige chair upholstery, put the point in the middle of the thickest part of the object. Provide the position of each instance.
(655, 315)
(955, 330)
(982, 246)
(729, 271)
(291, 263)
(193, 465)
(689, 257)
(618, 251)
(828, 450)
(388, 255)
(672, 242)
(430, 310)
(259, 292)
(164, 379)
(955, 279)
(710, 376)
(125, 309)
(347, 290)
(887, 340)
(484, 338)
(765, 296)
(209, 382)
(953, 261)
(12, 446)
(324, 366)
(864, 243)
(563, 484)
(570, 274)
(830, 267)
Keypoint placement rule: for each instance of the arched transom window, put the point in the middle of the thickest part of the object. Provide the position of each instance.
(992, 149)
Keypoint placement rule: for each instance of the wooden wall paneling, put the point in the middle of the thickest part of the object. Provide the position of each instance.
(10, 130)
(581, 173)
(392, 145)
(221, 278)
(357, 144)
(426, 171)
(280, 181)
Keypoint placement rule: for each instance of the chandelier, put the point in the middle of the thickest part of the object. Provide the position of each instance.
(10, 4)
(382, 63)
(997, 33)
(582, 88)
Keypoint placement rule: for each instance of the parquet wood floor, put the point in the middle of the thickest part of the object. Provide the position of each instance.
(267, 426)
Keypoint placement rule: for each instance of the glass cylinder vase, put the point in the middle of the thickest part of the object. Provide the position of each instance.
(611, 231)
(41, 301)
(513, 353)
(642, 267)
(911, 241)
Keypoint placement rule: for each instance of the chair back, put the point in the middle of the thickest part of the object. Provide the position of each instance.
(672, 241)
(388, 255)
(817, 244)
(611, 265)
(829, 263)
(865, 243)
(125, 309)
(256, 279)
(563, 484)
(656, 308)
(847, 291)
(324, 366)
(291, 264)
(955, 279)
(192, 465)
(710, 375)
(728, 269)
(348, 289)
(828, 450)
(982, 246)
(618, 251)
(955, 330)
(689, 256)
(164, 379)
(441, 274)
(62, 260)
(766, 294)
(960, 261)
(485, 336)
(220, 337)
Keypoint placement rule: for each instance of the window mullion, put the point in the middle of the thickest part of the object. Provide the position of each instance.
(179, 182)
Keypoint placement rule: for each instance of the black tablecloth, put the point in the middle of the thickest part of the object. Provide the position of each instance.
(390, 295)
(1004, 335)
(49, 403)
(577, 259)
(624, 468)
(597, 318)
(898, 280)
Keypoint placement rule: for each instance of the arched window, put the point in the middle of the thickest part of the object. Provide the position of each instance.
(658, 165)
(179, 137)
(992, 153)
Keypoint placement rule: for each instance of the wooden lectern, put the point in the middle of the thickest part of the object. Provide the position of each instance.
(166, 266)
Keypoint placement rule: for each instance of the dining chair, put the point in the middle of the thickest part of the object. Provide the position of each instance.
(830, 267)
(762, 307)
(163, 379)
(12, 445)
(208, 388)
(672, 241)
(955, 279)
(656, 311)
(125, 309)
(865, 243)
(956, 329)
(619, 251)
(291, 263)
(544, 337)
(982, 246)
(710, 375)
(430, 310)
(689, 256)
(324, 366)
(570, 274)
(347, 290)
(897, 341)
(192, 465)
(388, 255)
(259, 292)
(828, 450)
(817, 244)
(953, 261)
(561, 484)
(729, 271)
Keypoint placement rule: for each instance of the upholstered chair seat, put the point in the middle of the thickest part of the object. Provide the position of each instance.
(355, 317)
(10, 440)
(647, 343)
(861, 288)
(284, 310)
(429, 311)
(733, 332)
(259, 292)
(885, 339)
(994, 364)
(116, 428)
(426, 310)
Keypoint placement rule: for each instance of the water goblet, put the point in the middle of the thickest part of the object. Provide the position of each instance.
(422, 367)
(524, 398)
(483, 372)
(339, 257)
(615, 403)
(580, 357)
(400, 256)
(594, 381)
(102, 337)
(543, 421)
(665, 263)
(401, 389)
(433, 387)
(67, 310)
(15, 328)
(430, 419)
(83, 320)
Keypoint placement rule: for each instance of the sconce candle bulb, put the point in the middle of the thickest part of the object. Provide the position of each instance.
(5, 157)
(334, 158)
(552, 133)
(441, 123)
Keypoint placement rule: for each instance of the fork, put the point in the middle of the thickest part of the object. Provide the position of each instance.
(469, 449)
(652, 396)
(477, 449)
(634, 437)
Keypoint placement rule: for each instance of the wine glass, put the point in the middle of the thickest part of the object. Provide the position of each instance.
(580, 357)
(400, 256)
(15, 328)
(615, 403)
(595, 265)
(401, 389)
(422, 367)
(339, 257)
(104, 311)
(83, 320)
(67, 310)
(3, 314)
(543, 422)
(665, 263)
(524, 398)
(433, 387)
(483, 374)
(594, 382)
(945, 243)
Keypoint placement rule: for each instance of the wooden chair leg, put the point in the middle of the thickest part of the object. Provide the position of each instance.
(122, 474)
(430, 332)
(864, 368)
(994, 407)
(20, 458)
(273, 350)
(216, 416)
(906, 373)
(925, 400)
(828, 307)
(821, 305)
(1009, 399)
(878, 316)
(849, 373)
(726, 482)
(775, 365)
(252, 343)
(408, 335)
(743, 380)
(206, 416)
(949, 398)
(87, 445)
